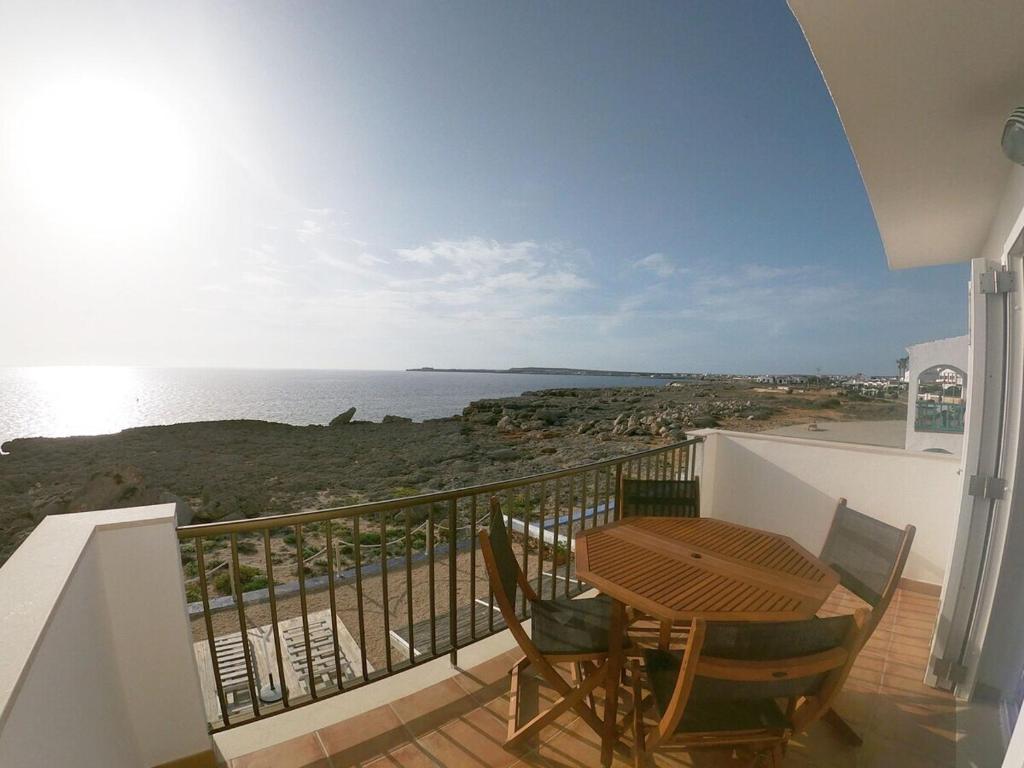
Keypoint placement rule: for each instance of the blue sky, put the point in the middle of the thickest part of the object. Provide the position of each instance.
(383, 185)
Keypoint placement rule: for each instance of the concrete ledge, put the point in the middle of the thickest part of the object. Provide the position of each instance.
(97, 668)
(829, 444)
(34, 579)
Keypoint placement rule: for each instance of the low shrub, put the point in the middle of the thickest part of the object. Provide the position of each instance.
(250, 576)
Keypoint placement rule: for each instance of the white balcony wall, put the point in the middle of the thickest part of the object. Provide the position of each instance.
(791, 485)
(97, 666)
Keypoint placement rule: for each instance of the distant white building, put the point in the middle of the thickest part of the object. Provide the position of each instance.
(936, 396)
(781, 379)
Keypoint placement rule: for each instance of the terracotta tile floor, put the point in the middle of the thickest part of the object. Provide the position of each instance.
(461, 721)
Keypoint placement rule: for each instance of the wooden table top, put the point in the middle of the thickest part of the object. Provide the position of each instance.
(680, 568)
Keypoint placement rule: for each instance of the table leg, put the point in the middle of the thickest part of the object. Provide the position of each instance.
(611, 685)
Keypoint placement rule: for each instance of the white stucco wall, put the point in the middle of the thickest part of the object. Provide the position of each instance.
(953, 352)
(791, 486)
(97, 667)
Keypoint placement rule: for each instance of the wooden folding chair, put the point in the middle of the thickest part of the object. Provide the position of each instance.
(563, 630)
(658, 498)
(869, 557)
(723, 690)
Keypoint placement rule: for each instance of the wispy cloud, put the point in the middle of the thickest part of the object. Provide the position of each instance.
(658, 263)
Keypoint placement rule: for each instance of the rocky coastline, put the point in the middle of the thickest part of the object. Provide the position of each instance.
(229, 470)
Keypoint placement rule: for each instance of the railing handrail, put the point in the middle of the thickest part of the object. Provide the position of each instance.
(354, 510)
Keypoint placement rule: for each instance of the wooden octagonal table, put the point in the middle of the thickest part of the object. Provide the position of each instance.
(677, 569)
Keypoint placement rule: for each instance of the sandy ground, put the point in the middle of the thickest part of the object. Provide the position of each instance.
(890, 434)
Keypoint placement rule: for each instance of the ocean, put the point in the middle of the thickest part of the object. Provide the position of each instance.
(63, 401)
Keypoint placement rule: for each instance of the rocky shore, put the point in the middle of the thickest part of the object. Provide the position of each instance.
(227, 470)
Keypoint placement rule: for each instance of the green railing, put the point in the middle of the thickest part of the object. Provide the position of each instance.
(939, 417)
(338, 598)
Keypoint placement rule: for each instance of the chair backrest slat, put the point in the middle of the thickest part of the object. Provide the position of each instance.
(504, 557)
(804, 661)
(868, 554)
(659, 498)
(787, 658)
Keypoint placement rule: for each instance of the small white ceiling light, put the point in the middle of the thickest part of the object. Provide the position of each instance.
(1013, 136)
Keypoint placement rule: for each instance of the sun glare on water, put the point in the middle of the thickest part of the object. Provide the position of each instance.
(83, 400)
(100, 154)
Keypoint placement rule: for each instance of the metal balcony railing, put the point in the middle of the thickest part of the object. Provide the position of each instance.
(338, 598)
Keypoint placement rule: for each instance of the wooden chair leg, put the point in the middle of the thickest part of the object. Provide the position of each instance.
(638, 716)
(589, 668)
(664, 635)
(574, 700)
(842, 728)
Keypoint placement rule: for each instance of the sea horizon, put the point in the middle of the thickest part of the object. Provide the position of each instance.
(81, 400)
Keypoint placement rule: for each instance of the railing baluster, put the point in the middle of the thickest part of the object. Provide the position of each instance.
(583, 502)
(526, 547)
(385, 603)
(305, 611)
(250, 667)
(540, 538)
(453, 602)
(430, 579)
(408, 585)
(357, 551)
(555, 543)
(472, 567)
(490, 592)
(329, 542)
(618, 488)
(570, 488)
(272, 597)
(205, 592)
(508, 524)
(607, 481)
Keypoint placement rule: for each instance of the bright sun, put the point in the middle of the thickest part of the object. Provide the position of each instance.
(101, 155)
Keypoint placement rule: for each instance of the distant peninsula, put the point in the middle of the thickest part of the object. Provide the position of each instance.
(562, 372)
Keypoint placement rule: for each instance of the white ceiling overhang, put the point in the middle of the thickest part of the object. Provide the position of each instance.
(923, 88)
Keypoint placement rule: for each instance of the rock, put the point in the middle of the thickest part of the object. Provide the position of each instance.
(548, 450)
(505, 424)
(551, 415)
(705, 422)
(619, 419)
(183, 513)
(343, 418)
(389, 419)
(503, 454)
(462, 467)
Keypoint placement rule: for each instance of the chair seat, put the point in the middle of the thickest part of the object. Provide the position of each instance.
(709, 715)
(564, 626)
